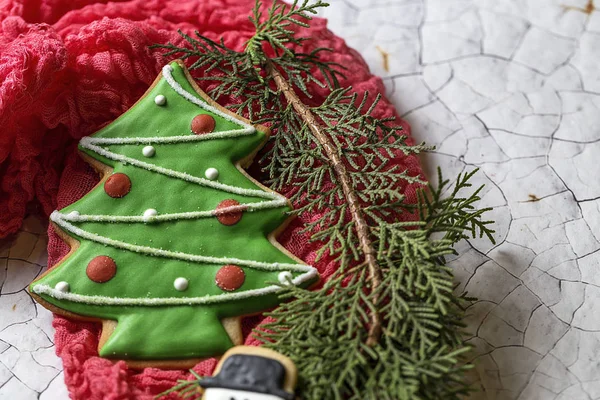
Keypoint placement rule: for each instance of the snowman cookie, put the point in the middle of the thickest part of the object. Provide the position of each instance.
(251, 373)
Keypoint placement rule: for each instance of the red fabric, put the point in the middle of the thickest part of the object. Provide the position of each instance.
(69, 66)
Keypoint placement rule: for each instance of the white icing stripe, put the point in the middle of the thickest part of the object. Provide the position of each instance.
(247, 207)
(310, 273)
(170, 139)
(166, 71)
(181, 175)
(57, 218)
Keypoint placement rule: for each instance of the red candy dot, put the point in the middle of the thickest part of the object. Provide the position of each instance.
(202, 123)
(230, 277)
(101, 269)
(231, 217)
(117, 185)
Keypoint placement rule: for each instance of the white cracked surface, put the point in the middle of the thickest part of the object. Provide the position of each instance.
(29, 367)
(509, 86)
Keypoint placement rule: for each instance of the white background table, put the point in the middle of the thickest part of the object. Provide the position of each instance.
(509, 86)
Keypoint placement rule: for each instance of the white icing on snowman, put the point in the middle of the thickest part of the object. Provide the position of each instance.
(230, 394)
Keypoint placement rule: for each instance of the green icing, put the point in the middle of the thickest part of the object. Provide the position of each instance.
(182, 331)
(204, 337)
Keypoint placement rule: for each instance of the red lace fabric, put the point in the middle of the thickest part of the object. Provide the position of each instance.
(69, 66)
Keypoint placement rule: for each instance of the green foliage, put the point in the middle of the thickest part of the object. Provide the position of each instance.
(324, 331)
(274, 29)
(368, 146)
(185, 389)
(238, 75)
(419, 355)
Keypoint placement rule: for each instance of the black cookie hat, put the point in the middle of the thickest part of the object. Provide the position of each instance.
(250, 373)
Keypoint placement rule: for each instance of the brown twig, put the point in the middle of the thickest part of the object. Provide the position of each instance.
(362, 230)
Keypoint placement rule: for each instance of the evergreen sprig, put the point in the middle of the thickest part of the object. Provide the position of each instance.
(418, 351)
(419, 354)
(239, 77)
(274, 29)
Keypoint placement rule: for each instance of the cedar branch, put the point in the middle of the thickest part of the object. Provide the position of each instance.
(362, 229)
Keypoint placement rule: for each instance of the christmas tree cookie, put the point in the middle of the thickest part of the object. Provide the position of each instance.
(176, 242)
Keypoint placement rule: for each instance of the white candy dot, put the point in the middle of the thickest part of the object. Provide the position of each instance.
(181, 284)
(285, 277)
(211, 173)
(160, 100)
(148, 151)
(149, 213)
(62, 287)
(73, 214)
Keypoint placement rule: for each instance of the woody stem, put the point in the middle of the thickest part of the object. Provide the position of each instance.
(362, 229)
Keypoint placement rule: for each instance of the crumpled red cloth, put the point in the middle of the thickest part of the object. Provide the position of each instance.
(69, 66)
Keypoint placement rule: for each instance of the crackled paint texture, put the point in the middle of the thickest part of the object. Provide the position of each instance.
(508, 86)
(511, 87)
(29, 369)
